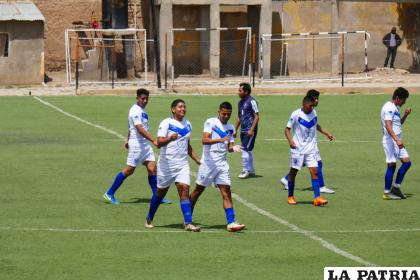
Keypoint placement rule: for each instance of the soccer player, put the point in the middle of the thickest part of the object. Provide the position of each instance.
(393, 145)
(323, 189)
(304, 123)
(214, 169)
(139, 149)
(174, 141)
(248, 118)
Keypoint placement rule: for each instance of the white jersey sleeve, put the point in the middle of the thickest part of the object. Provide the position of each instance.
(292, 119)
(254, 105)
(163, 128)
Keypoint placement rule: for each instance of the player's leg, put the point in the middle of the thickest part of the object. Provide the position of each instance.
(116, 184)
(232, 225)
(405, 165)
(250, 148)
(393, 55)
(310, 161)
(291, 185)
(164, 181)
(322, 187)
(284, 181)
(248, 168)
(183, 192)
(154, 205)
(152, 178)
(195, 195)
(391, 151)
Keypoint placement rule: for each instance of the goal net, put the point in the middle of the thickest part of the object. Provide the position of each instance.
(107, 56)
(315, 56)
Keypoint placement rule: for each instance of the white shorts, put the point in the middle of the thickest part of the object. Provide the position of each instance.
(210, 173)
(392, 152)
(168, 175)
(137, 155)
(299, 160)
(317, 156)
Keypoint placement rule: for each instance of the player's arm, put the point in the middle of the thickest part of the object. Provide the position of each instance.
(126, 141)
(406, 113)
(237, 123)
(254, 124)
(325, 132)
(207, 140)
(163, 141)
(192, 154)
(145, 134)
(289, 137)
(388, 127)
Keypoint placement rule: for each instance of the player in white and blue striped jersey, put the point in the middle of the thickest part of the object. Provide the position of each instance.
(393, 145)
(174, 140)
(139, 149)
(303, 147)
(218, 140)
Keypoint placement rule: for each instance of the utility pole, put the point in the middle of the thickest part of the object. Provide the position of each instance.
(156, 42)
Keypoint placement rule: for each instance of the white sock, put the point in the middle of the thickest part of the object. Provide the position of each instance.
(251, 162)
(245, 159)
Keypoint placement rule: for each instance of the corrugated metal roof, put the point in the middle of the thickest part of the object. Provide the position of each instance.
(19, 10)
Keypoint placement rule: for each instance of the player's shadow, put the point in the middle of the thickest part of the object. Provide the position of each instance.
(256, 176)
(137, 200)
(408, 195)
(304, 202)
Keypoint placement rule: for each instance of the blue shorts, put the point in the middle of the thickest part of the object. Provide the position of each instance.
(248, 142)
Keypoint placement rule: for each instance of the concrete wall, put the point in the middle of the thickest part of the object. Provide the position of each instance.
(25, 63)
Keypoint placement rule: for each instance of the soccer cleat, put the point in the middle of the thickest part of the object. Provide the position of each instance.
(166, 201)
(390, 196)
(149, 224)
(285, 183)
(191, 227)
(243, 175)
(324, 189)
(232, 227)
(291, 200)
(397, 191)
(111, 198)
(319, 201)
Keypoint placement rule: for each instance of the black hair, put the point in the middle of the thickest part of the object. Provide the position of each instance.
(246, 87)
(401, 93)
(313, 93)
(142, 91)
(225, 105)
(176, 102)
(308, 99)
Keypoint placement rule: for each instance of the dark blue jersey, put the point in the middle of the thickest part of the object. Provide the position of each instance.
(246, 109)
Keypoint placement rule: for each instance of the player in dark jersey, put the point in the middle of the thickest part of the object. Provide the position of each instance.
(248, 118)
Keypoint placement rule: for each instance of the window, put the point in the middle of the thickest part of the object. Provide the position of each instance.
(4, 45)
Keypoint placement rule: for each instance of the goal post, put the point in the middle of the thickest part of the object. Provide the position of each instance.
(315, 55)
(201, 54)
(106, 56)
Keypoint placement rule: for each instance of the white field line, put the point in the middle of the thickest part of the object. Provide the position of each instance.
(306, 233)
(80, 119)
(131, 231)
(295, 228)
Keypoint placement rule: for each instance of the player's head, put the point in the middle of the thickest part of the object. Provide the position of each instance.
(178, 109)
(400, 96)
(142, 97)
(308, 104)
(225, 111)
(314, 94)
(394, 30)
(244, 90)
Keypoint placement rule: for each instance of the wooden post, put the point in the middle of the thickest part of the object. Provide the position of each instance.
(77, 62)
(254, 46)
(166, 60)
(342, 60)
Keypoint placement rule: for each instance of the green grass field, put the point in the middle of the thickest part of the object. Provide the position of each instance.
(54, 170)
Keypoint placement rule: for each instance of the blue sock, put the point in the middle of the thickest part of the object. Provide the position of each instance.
(230, 215)
(320, 176)
(315, 186)
(186, 211)
(154, 205)
(153, 183)
(291, 187)
(119, 179)
(388, 177)
(401, 172)
(287, 176)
